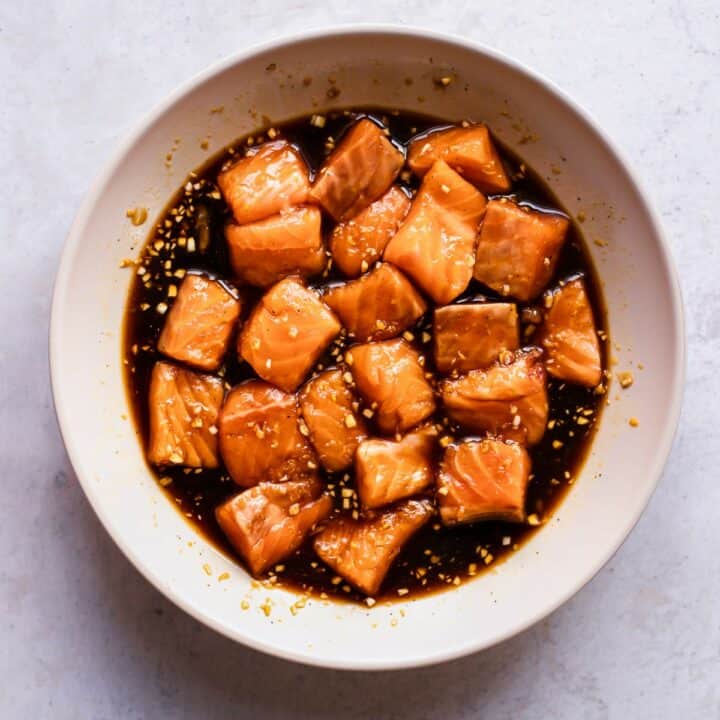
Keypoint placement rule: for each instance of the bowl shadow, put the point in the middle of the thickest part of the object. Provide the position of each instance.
(171, 658)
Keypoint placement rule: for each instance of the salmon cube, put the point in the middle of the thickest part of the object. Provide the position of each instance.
(518, 249)
(389, 470)
(377, 306)
(263, 252)
(389, 375)
(286, 334)
(358, 243)
(260, 436)
(468, 150)
(483, 480)
(362, 551)
(184, 407)
(435, 245)
(269, 179)
(269, 522)
(509, 398)
(472, 335)
(569, 336)
(199, 325)
(360, 169)
(328, 407)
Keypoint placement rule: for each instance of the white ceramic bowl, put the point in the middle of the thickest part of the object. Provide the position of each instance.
(370, 67)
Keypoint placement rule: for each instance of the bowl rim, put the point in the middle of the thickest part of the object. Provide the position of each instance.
(386, 30)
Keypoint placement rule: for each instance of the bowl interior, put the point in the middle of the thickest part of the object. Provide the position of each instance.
(393, 69)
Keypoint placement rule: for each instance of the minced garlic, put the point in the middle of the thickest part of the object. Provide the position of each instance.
(138, 215)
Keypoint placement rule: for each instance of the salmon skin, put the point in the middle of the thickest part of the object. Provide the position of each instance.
(569, 336)
(270, 178)
(509, 398)
(388, 470)
(200, 322)
(390, 377)
(362, 551)
(483, 480)
(435, 245)
(360, 169)
(358, 243)
(518, 249)
(184, 407)
(377, 306)
(472, 335)
(260, 439)
(335, 428)
(269, 522)
(264, 252)
(467, 150)
(286, 334)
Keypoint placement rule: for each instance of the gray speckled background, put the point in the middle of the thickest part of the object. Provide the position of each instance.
(84, 636)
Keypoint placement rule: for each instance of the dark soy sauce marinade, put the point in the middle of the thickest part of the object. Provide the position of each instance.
(190, 238)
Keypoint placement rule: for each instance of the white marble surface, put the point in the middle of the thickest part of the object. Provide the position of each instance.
(84, 636)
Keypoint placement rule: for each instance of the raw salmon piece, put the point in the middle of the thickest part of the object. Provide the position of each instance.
(569, 336)
(184, 407)
(336, 429)
(360, 169)
(468, 150)
(435, 245)
(472, 335)
(377, 306)
(270, 178)
(518, 249)
(358, 243)
(263, 252)
(198, 327)
(508, 399)
(387, 470)
(362, 551)
(483, 480)
(286, 334)
(260, 438)
(389, 375)
(270, 521)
